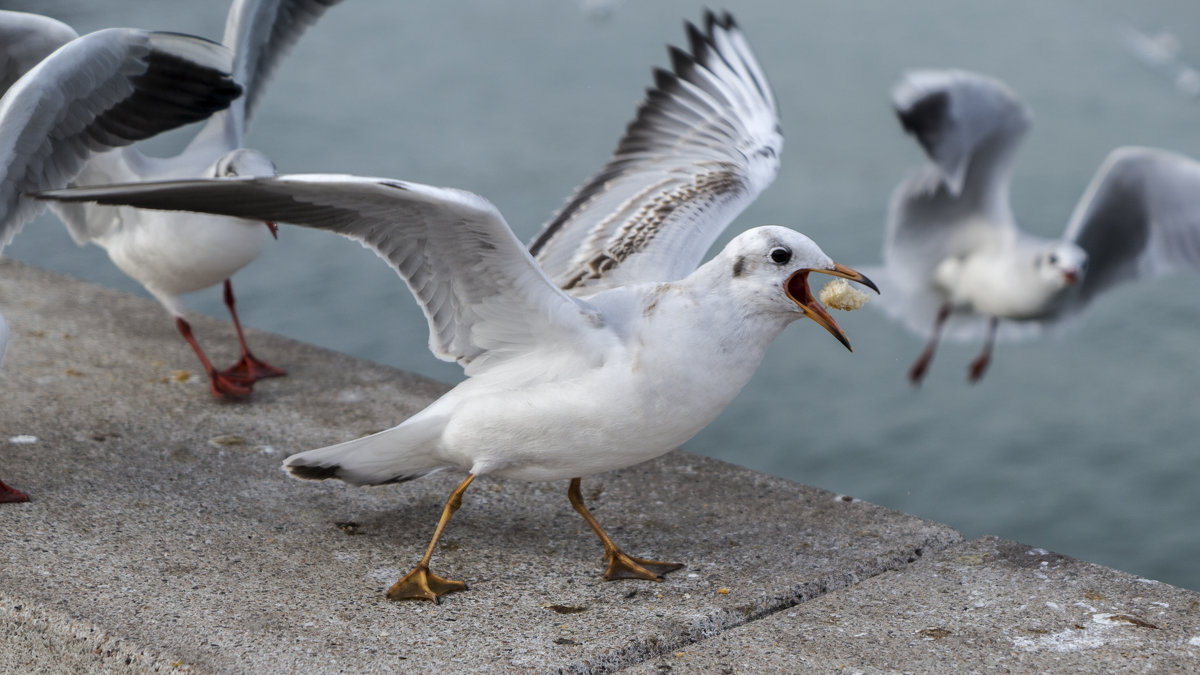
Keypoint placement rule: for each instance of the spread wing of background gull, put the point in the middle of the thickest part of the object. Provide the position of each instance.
(8, 494)
(562, 386)
(955, 261)
(167, 253)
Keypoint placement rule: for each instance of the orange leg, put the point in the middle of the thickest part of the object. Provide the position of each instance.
(420, 583)
(620, 565)
(249, 369)
(222, 385)
(11, 495)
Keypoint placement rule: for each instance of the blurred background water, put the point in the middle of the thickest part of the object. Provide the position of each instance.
(1086, 445)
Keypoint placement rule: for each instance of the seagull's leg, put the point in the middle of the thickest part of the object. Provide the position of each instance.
(222, 386)
(980, 364)
(420, 583)
(620, 565)
(917, 372)
(11, 495)
(248, 369)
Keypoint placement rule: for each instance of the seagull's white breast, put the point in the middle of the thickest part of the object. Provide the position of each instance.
(175, 253)
(675, 369)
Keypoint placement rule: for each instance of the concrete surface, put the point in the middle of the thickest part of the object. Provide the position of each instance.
(163, 536)
(989, 605)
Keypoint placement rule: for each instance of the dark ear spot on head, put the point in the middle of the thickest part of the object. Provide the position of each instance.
(739, 266)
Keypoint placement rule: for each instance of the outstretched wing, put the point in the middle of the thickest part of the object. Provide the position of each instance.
(260, 33)
(1140, 216)
(485, 298)
(704, 144)
(26, 39)
(968, 124)
(104, 90)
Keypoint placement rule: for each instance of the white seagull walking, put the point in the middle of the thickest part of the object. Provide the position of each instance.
(612, 347)
(174, 254)
(955, 261)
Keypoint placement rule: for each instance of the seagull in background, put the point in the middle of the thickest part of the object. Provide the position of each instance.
(614, 345)
(956, 263)
(104, 90)
(174, 254)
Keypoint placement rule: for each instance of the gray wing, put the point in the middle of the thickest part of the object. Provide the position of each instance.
(969, 126)
(260, 33)
(484, 296)
(703, 145)
(26, 39)
(1140, 216)
(102, 91)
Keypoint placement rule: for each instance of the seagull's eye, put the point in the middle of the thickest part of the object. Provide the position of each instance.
(1053, 259)
(780, 255)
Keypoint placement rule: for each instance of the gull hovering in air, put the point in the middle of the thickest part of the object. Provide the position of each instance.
(104, 90)
(172, 254)
(954, 259)
(606, 343)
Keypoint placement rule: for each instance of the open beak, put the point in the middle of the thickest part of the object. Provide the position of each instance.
(273, 228)
(1070, 276)
(798, 291)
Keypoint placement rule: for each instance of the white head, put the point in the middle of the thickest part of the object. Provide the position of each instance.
(1060, 264)
(246, 162)
(769, 267)
(243, 162)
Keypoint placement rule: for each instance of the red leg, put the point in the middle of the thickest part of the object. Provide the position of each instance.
(11, 495)
(222, 386)
(980, 364)
(248, 369)
(917, 372)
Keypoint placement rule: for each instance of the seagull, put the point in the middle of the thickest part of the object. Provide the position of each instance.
(611, 347)
(8, 494)
(104, 90)
(174, 254)
(954, 259)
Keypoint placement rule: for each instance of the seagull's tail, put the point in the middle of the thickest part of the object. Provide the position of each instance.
(394, 456)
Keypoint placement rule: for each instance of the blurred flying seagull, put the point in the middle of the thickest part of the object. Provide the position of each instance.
(168, 254)
(955, 262)
(611, 347)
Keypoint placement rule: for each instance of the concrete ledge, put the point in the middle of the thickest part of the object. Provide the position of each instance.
(986, 605)
(163, 535)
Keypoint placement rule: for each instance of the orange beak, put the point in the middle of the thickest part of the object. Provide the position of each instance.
(798, 291)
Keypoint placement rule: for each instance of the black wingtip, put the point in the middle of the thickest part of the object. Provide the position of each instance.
(307, 472)
(925, 114)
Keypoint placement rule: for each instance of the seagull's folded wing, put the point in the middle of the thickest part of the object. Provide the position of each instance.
(704, 144)
(484, 296)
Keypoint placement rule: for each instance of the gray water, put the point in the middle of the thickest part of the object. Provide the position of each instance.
(1084, 445)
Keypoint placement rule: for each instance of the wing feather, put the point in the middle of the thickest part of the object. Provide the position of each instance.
(104, 90)
(1140, 216)
(705, 142)
(485, 298)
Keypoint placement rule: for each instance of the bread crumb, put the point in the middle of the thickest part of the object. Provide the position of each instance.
(839, 294)
(723, 591)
